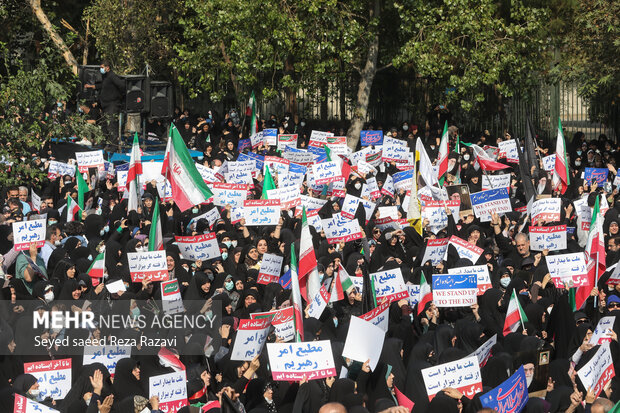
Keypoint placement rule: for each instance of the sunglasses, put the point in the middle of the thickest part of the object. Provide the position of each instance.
(581, 321)
(613, 305)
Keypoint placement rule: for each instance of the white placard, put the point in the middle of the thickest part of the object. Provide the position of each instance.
(602, 331)
(465, 249)
(508, 150)
(546, 209)
(492, 200)
(364, 342)
(229, 194)
(258, 212)
(568, 269)
(54, 377)
(549, 162)
(435, 250)
(27, 232)
(495, 181)
(25, 405)
(483, 352)
(90, 159)
(171, 300)
(149, 264)
(171, 389)
(201, 247)
(378, 316)
(481, 272)
(109, 356)
(455, 290)
(250, 339)
(270, 268)
(389, 285)
(598, 371)
(295, 361)
(463, 375)
(326, 172)
(551, 238)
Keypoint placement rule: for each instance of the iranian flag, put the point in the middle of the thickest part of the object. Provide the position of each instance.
(442, 157)
(341, 284)
(82, 188)
(595, 255)
(251, 112)
(72, 209)
(426, 295)
(296, 297)
(187, 186)
(309, 282)
(561, 179)
(514, 316)
(133, 174)
(345, 168)
(156, 240)
(484, 160)
(95, 272)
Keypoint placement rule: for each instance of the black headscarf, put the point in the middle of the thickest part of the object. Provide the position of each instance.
(125, 383)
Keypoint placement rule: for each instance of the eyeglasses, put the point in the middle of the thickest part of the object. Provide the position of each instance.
(613, 305)
(581, 321)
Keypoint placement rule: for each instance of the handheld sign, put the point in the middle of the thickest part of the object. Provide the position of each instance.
(250, 339)
(326, 172)
(378, 316)
(389, 285)
(492, 200)
(295, 361)
(508, 150)
(455, 290)
(171, 300)
(371, 137)
(597, 174)
(57, 169)
(602, 331)
(91, 159)
(483, 353)
(150, 265)
(547, 210)
(25, 405)
(27, 232)
(364, 342)
(510, 396)
(551, 238)
(229, 194)
(286, 140)
(495, 181)
(270, 269)
(465, 249)
(282, 320)
(54, 377)
(201, 247)
(480, 271)
(171, 389)
(598, 371)
(435, 250)
(109, 356)
(463, 375)
(318, 303)
(549, 162)
(261, 212)
(568, 269)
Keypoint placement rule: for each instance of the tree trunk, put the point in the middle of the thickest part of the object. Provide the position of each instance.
(60, 44)
(233, 77)
(291, 93)
(367, 77)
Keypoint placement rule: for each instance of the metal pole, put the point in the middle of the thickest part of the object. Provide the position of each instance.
(120, 136)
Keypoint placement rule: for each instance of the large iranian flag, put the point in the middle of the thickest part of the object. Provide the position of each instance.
(561, 178)
(251, 111)
(296, 298)
(309, 282)
(484, 160)
(156, 240)
(442, 157)
(188, 187)
(514, 316)
(595, 255)
(133, 175)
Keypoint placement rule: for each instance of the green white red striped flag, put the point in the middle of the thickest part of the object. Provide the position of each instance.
(514, 316)
(156, 240)
(133, 175)
(296, 297)
(309, 281)
(72, 209)
(187, 186)
(561, 177)
(251, 111)
(442, 157)
(95, 272)
(426, 295)
(341, 284)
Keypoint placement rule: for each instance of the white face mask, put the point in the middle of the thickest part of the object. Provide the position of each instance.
(49, 297)
(234, 244)
(504, 282)
(358, 185)
(405, 127)
(34, 393)
(302, 124)
(466, 157)
(57, 243)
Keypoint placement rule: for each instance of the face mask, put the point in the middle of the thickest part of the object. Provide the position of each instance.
(335, 322)
(285, 125)
(227, 243)
(34, 393)
(504, 282)
(577, 163)
(49, 297)
(102, 70)
(405, 127)
(234, 244)
(135, 312)
(57, 243)
(579, 152)
(50, 223)
(302, 124)
(358, 185)
(224, 256)
(466, 157)
(67, 182)
(229, 285)
(321, 276)
(194, 210)
(433, 147)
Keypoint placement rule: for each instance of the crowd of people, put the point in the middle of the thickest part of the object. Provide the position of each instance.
(551, 346)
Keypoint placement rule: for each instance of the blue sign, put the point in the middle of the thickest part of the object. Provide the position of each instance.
(244, 144)
(254, 157)
(320, 152)
(270, 133)
(371, 137)
(297, 169)
(402, 176)
(455, 281)
(600, 174)
(489, 196)
(510, 396)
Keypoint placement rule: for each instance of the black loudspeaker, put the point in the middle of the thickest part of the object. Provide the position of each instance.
(89, 76)
(162, 100)
(137, 93)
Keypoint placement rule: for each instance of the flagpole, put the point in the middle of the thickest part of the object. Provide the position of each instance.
(487, 175)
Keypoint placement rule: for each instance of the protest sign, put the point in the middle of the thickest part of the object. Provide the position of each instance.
(36, 200)
(319, 138)
(373, 188)
(463, 375)
(568, 269)
(229, 194)
(378, 316)
(510, 396)
(90, 159)
(349, 207)
(371, 137)
(257, 139)
(492, 200)
(414, 293)
(550, 238)
(546, 210)
(295, 361)
(480, 271)
(27, 232)
(389, 285)
(394, 150)
(201, 247)
(282, 320)
(483, 353)
(171, 389)
(289, 196)
(465, 249)
(597, 174)
(402, 180)
(149, 265)
(106, 355)
(121, 179)
(319, 302)
(270, 137)
(341, 229)
(549, 162)
(508, 150)
(602, 331)
(287, 140)
(326, 172)
(250, 338)
(261, 212)
(435, 212)
(435, 250)
(455, 290)
(364, 342)
(598, 371)
(338, 145)
(54, 377)
(270, 268)
(171, 300)
(23, 404)
(115, 286)
(495, 181)
(279, 166)
(57, 169)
